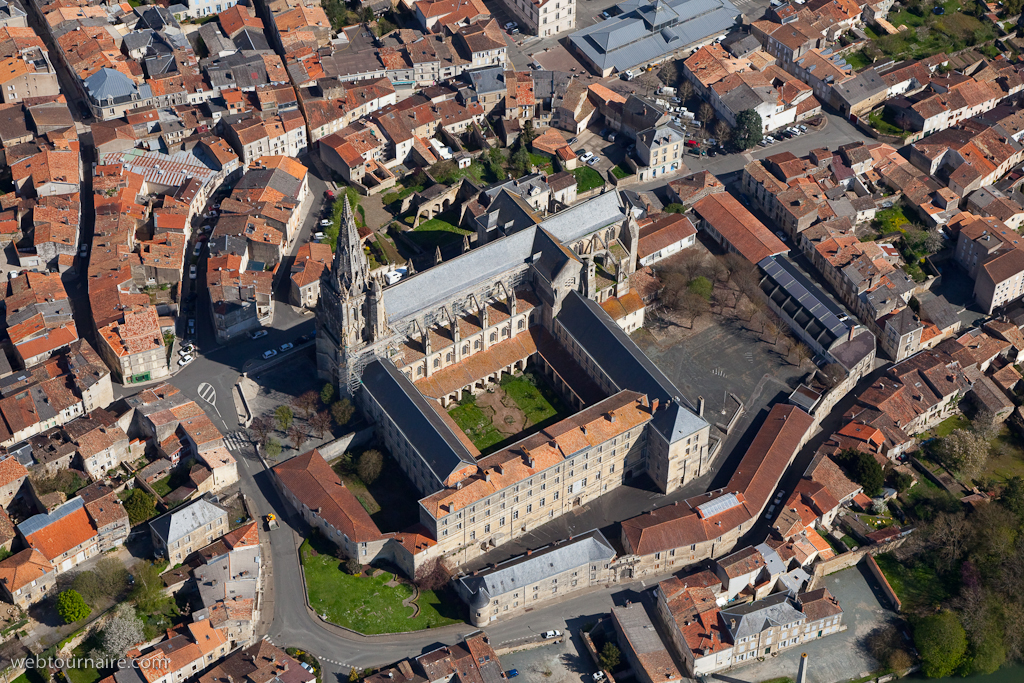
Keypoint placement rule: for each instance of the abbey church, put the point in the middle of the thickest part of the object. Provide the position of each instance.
(529, 299)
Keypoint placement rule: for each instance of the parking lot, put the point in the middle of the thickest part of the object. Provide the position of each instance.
(565, 662)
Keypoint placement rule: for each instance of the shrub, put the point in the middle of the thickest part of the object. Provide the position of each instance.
(71, 606)
(370, 464)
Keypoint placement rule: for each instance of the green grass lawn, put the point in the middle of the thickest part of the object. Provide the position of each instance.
(587, 179)
(1006, 457)
(857, 60)
(436, 233)
(536, 404)
(917, 586)
(476, 424)
(946, 427)
(543, 163)
(890, 220)
(162, 486)
(879, 122)
(366, 604)
(620, 172)
(948, 32)
(850, 542)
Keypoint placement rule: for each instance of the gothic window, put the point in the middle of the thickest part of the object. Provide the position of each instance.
(465, 348)
(504, 332)
(448, 357)
(522, 324)
(494, 336)
(476, 344)
(437, 362)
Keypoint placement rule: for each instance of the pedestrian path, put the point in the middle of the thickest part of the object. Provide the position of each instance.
(237, 441)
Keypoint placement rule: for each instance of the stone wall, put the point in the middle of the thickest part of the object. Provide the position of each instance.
(886, 588)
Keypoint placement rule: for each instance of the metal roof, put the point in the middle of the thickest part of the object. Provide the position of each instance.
(39, 522)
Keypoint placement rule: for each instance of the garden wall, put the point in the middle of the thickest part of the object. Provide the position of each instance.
(886, 588)
(849, 559)
(332, 450)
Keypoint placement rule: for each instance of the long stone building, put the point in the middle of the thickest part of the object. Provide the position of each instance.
(530, 298)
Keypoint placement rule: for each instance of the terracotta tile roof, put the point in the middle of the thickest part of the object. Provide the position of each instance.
(11, 470)
(64, 534)
(666, 230)
(618, 307)
(106, 511)
(481, 364)
(739, 227)
(829, 474)
(315, 484)
(21, 569)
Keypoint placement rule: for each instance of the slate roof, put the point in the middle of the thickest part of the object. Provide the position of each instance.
(520, 572)
(752, 618)
(184, 520)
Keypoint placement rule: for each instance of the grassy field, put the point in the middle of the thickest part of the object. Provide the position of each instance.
(620, 172)
(918, 586)
(436, 232)
(476, 424)
(931, 33)
(543, 163)
(366, 604)
(587, 179)
(1006, 457)
(162, 486)
(946, 427)
(857, 60)
(537, 404)
(879, 121)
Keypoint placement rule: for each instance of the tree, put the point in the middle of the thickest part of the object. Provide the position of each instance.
(496, 162)
(528, 135)
(693, 306)
(297, 436)
(327, 394)
(610, 657)
(262, 427)
(722, 132)
(307, 403)
(942, 643)
(684, 90)
(673, 208)
(371, 462)
(353, 675)
(321, 423)
(124, 631)
(432, 576)
(964, 452)
(669, 74)
(284, 417)
(353, 567)
(705, 113)
(950, 533)
(901, 481)
(71, 606)
(748, 131)
(865, 470)
(140, 506)
(89, 585)
(148, 593)
(803, 353)
(520, 162)
(342, 411)
(273, 448)
(772, 328)
(701, 286)
(444, 170)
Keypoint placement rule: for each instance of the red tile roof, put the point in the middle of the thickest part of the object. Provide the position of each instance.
(63, 534)
(739, 227)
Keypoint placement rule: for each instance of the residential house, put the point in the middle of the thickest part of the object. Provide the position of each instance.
(26, 577)
(134, 347)
(255, 663)
(639, 641)
(311, 260)
(177, 533)
(667, 234)
(65, 535)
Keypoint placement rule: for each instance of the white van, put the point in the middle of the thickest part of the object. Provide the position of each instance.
(666, 91)
(628, 75)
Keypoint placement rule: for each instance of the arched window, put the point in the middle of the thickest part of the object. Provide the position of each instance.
(476, 344)
(437, 362)
(504, 332)
(448, 357)
(522, 324)
(465, 348)
(419, 370)
(494, 336)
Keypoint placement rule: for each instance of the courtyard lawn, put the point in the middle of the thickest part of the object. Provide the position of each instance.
(368, 605)
(436, 232)
(1006, 457)
(944, 428)
(891, 220)
(537, 404)
(162, 486)
(620, 172)
(880, 122)
(542, 163)
(857, 60)
(917, 586)
(587, 179)
(476, 424)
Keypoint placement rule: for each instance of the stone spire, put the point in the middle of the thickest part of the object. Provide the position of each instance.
(350, 268)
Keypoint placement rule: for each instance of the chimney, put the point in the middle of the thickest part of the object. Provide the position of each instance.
(654, 406)
(529, 552)
(700, 406)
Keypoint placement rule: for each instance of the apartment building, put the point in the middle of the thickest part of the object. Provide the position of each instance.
(523, 583)
(544, 17)
(28, 74)
(660, 150)
(65, 535)
(993, 255)
(133, 347)
(280, 135)
(189, 527)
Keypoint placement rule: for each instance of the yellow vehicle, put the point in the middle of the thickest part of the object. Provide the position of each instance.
(272, 522)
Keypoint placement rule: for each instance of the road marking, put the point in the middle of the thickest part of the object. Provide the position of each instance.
(236, 441)
(209, 394)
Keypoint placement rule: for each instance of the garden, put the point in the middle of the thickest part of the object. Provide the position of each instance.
(929, 33)
(587, 179)
(370, 604)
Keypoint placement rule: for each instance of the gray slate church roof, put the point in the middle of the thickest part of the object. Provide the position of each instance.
(644, 32)
(517, 573)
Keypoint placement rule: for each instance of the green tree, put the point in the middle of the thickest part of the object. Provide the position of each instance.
(140, 506)
(71, 606)
(520, 162)
(673, 208)
(148, 593)
(610, 657)
(327, 394)
(496, 162)
(342, 411)
(748, 130)
(528, 135)
(353, 674)
(702, 287)
(942, 643)
(371, 463)
(284, 417)
(273, 448)
(901, 481)
(864, 469)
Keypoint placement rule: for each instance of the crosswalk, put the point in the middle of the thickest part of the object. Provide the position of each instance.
(237, 441)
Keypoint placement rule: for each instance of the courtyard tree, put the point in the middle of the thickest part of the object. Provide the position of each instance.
(320, 423)
(71, 606)
(496, 162)
(148, 593)
(610, 657)
(964, 452)
(327, 394)
(262, 427)
(341, 411)
(122, 632)
(370, 464)
(772, 327)
(802, 353)
(864, 469)
(669, 74)
(528, 135)
(722, 131)
(273, 448)
(693, 306)
(297, 436)
(306, 403)
(748, 131)
(284, 417)
(520, 162)
(432, 576)
(701, 286)
(140, 506)
(705, 113)
(942, 643)
(684, 90)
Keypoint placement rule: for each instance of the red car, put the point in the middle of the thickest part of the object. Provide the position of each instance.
(329, 194)
(691, 143)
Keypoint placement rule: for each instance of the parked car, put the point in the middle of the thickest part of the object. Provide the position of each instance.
(605, 15)
(192, 272)
(511, 673)
(551, 634)
(511, 25)
(781, 235)
(598, 676)
(258, 334)
(287, 346)
(303, 339)
(691, 143)
(83, 250)
(326, 222)
(593, 160)
(269, 354)
(185, 360)
(572, 141)
(198, 250)
(938, 9)
(191, 325)
(317, 236)
(329, 194)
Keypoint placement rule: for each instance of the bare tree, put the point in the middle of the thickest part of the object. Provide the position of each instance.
(950, 534)
(705, 113)
(771, 327)
(261, 427)
(691, 263)
(669, 74)
(684, 90)
(307, 403)
(432, 576)
(320, 423)
(693, 306)
(722, 131)
(803, 353)
(297, 436)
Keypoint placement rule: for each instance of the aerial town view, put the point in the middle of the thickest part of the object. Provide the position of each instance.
(461, 341)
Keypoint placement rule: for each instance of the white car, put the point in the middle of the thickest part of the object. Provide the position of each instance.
(317, 236)
(511, 25)
(269, 354)
(599, 676)
(551, 634)
(192, 272)
(326, 223)
(585, 157)
(185, 360)
(258, 334)
(287, 346)
(198, 250)
(593, 160)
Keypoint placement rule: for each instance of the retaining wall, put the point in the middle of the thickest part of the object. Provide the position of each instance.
(886, 588)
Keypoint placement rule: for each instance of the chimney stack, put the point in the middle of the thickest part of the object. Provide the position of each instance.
(700, 406)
